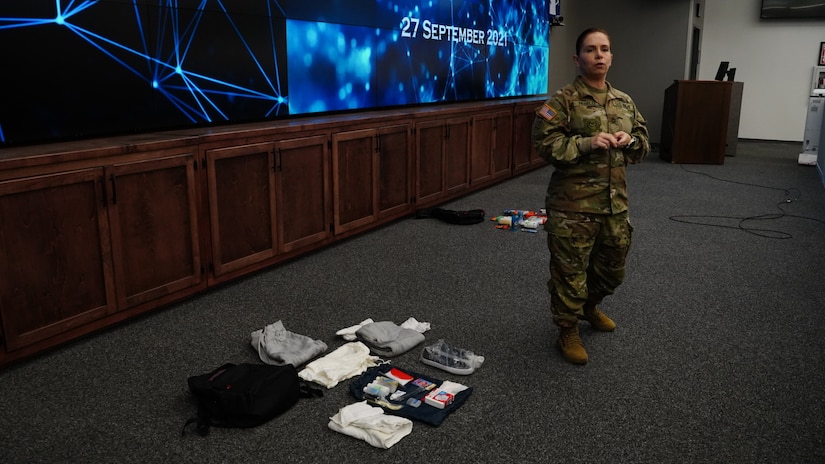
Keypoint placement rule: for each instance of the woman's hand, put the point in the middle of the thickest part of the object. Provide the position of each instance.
(623, 139)
(605, 141)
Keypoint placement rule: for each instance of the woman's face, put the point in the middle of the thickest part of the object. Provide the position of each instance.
(594, 57)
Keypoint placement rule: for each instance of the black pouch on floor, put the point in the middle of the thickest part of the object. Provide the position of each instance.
(463, 218)
(425, 413)
(245, 395)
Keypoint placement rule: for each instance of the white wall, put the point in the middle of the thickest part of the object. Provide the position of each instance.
(774, 59)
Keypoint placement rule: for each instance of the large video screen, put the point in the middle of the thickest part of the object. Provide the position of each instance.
(78, 69)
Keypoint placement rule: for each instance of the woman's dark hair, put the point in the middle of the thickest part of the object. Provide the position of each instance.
(584, 35)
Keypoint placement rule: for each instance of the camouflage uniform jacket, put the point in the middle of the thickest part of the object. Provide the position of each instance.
(587, 180)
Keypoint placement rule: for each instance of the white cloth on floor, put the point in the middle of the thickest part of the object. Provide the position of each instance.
(412, 323)
(276, 345)
(452, 387)
(345, 362)
(349, 332)
(370, 424)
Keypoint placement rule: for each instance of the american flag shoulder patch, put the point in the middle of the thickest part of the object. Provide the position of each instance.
(547, 113)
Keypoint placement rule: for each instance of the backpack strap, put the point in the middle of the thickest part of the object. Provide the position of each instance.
(191, 420)
(308, 391)
(202, 423)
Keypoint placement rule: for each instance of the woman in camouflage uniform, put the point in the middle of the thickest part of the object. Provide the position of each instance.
(589, 131)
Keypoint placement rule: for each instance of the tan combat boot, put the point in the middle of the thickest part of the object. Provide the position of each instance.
(598, 320)
(571, 345)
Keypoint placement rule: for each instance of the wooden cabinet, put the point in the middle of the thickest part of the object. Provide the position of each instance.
(492, 143)
(93, 233)
(695, 118)
(442, 159)
(56, 264)
(525, 156)
(371, 173)
(81, 245)
(266, 198)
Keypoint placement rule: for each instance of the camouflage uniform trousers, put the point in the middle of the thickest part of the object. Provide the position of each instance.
(587, 260)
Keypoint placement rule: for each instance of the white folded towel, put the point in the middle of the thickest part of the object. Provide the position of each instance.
(413, 323)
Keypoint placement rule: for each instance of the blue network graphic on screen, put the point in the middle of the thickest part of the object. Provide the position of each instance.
(77, 69)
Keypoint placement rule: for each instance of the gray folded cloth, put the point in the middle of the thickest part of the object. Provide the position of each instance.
(387, 339)
(276, 345)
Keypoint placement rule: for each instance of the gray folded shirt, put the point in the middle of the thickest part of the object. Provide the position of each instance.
(276, 345)
(387, 339)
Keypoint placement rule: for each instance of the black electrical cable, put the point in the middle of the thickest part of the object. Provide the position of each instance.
(791, 195)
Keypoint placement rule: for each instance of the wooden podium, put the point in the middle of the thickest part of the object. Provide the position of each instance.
(695, 121)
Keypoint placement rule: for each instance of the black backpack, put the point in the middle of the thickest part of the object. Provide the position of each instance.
(462, 218)
(245, 395)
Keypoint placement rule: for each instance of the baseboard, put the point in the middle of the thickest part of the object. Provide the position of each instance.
(771, 141)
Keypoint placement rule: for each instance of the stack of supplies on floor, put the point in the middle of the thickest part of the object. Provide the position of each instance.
(389, 398)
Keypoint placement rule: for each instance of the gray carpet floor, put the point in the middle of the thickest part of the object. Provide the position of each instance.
(719, 354)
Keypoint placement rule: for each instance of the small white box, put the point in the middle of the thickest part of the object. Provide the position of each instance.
(807, 159)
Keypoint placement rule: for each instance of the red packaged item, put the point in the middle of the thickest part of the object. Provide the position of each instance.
(400, 376)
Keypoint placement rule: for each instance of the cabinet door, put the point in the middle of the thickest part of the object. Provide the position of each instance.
(355, 178)
(55, 256)
(394, 171)
(153, 219)
(491, 153)
(524, 153)
(429, 161)
(457, 155)
(481, 163)
(502, 146)
(302, 191)
(241, 185)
